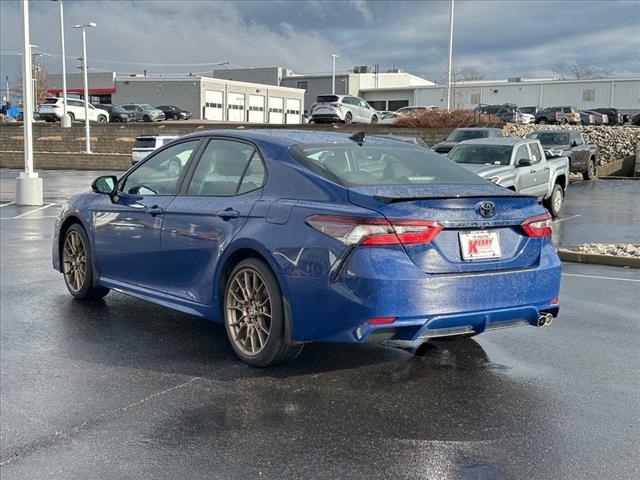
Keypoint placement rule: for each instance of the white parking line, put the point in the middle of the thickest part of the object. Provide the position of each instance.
(5, 204)
(566, 218)
(601, 278)
(30, 212)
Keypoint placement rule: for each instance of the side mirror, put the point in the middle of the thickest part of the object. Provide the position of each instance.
(523, 162)
(106, 184)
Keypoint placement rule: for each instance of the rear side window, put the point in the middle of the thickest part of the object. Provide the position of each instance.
(142, 142)
(227, 168)
(327, 99)
(353, 165)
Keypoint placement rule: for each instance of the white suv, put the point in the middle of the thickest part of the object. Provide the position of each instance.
(342, 108)
(52, 110)
(146, 144)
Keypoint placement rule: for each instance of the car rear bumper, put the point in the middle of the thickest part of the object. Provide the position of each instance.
(326, 118)
(422, 305)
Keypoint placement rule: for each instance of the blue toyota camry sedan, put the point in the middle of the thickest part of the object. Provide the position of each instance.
(289, 237)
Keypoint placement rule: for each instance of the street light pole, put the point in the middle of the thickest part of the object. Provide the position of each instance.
(450, 56)
(86, 84)
(28, 184)
(8, 102)
(333, 73)
(65, 121)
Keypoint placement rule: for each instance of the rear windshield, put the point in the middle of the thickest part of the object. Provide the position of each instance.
(461, 135)
(481, 154)
(145, 143)
(398, 164)
(327, 99)
(550, 138)
(48, 101)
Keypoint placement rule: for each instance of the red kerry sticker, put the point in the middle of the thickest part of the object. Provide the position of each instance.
(480, 245)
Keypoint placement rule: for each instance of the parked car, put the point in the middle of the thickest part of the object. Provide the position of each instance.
(342, 108)
(635, 120)
(52, 109)
(507, 112)
(461, 134)
(596, 117)
(553, 115)
(294, 237)
(144, 112)
(517, 164)
(388, 118)
(415, 109)
(145, 144)
(529, 110)
(583, 156)
(117, 114)
(613, 114)
(174, 113)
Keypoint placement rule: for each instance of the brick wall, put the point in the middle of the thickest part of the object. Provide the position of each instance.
(58, 148)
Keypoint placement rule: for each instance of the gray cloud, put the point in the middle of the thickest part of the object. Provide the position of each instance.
(502, 38)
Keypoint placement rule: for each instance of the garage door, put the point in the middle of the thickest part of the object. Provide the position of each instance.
(256, 108)
(276, 110)
(293, 111)
(213, 109)
(235, 107)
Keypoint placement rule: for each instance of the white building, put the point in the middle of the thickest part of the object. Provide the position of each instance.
(621, 93)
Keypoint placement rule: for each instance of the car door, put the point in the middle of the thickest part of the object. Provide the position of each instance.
(365, 111)
(541, 170)
(214, 204)
(525, 173)
(127, 229)
(580, 153)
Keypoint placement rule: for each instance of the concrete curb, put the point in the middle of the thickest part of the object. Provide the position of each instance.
(595, 259)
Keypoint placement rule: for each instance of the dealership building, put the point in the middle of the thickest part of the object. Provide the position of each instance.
(205, 97)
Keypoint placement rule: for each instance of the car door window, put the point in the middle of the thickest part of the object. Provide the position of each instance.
(578, 139)
(522, 153)
(160, 172)
(536, 154)
(222, 167)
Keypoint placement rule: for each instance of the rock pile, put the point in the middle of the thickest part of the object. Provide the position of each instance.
(617, 249)
(614, 143)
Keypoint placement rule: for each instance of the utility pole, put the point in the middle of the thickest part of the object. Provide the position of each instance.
(450, 56)
(28, 184)
(8, 102)
(333, 73)
(86, 84)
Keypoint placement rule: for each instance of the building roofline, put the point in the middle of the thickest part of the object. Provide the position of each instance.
(200, 78)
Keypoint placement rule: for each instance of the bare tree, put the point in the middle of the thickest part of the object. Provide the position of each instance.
(40, 80)
(575, 71)
(467, 74)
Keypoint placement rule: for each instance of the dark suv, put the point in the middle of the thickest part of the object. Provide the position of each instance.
(171, 112)
(558, 115)
(507, 112)
(117, 114)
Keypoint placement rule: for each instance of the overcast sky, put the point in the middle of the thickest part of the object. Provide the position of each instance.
(501, 38)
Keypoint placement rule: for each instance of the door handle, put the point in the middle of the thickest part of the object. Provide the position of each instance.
(228, 213)
(532, 171)
(155, 210)
(547, 168)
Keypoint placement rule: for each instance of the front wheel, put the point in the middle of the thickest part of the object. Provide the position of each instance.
(590, 172)
(146, 118)
(555, 200)
(102, 119)
(374, 119)
(348, 118)
(254, 316)
(77, 265)
(542, 121)
(176, 116)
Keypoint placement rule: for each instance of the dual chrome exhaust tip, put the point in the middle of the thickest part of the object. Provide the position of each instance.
(545, 319)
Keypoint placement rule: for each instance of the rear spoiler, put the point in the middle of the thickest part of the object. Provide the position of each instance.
(413, 199)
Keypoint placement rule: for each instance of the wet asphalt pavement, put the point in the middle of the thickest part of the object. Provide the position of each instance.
(125, 389)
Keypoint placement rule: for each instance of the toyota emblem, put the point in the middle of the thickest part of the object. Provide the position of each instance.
(487, 209)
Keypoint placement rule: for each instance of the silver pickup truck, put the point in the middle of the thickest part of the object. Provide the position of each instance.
(518, 164)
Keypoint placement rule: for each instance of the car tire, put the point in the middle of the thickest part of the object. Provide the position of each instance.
(72, 117)
(374, 119)
(77, 265)
(102, 119)
(254, 319)
(348, 118)
(590, 172)
(542, 121)
(176, 116)
(116, 120)
(555, 201)
(146, 118)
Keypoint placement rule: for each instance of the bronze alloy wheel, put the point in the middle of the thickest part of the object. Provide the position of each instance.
(74, 258)
(248, 312)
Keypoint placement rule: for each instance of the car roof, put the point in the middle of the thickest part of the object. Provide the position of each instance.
(498, 141)
(288, 138)
(549, 130)
(475, 129)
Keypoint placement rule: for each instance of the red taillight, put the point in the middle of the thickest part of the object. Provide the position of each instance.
(374, 231)
(554, 301)
(381, 320)
(538, 226)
